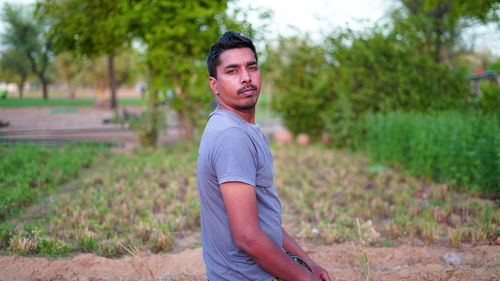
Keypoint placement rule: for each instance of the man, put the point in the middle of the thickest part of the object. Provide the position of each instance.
(241, 228)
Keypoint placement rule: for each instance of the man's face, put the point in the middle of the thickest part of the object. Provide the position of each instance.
(238, 80)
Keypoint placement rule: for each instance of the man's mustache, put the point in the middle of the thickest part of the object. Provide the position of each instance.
(246, 87)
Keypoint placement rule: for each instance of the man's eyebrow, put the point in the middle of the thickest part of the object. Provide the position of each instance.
(233, 65)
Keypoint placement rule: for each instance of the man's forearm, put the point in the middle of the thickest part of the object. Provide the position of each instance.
(274, 260)
(290, 245)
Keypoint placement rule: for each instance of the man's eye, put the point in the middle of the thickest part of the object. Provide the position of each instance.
(231, 71)
(253, 67)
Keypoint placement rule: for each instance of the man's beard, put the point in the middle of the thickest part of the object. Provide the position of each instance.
(240, 92)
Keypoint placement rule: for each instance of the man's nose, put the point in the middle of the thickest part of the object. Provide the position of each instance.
(245, 76)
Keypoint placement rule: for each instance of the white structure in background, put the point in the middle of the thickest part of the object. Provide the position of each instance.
(11, 89)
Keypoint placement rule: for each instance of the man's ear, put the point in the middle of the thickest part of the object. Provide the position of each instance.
(213, 85)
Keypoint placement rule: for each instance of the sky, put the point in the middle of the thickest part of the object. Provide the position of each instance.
(317, 16)
(313, 16)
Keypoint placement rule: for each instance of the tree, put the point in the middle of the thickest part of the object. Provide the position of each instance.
(302, 81)
(27, 34)
(15, 67)
(176, 36)
(90, 28)
(436, 25)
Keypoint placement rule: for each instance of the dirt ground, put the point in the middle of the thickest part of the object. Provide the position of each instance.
(54, 124)
(342, 260)
(49, 124)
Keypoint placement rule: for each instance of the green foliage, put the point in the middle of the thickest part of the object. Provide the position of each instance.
(489, 100)
(148, 125)
(377, 72)
(326, 88)
(28, 171)
(302, 83)
(434, 26)
(176, 36)
(26, 34)
(461, 148)
(173, 38)
(89, 28)
(15, 67)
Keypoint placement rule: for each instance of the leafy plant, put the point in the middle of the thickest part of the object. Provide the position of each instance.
(447, 146)
(29, 171)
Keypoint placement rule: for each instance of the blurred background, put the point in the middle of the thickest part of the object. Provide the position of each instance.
(135, 70)
(383, 119)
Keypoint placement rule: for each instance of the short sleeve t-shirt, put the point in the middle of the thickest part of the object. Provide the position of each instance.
(233, 150)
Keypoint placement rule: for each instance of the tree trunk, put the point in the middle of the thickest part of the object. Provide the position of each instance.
(112, 82)
(182, 113)
(20, 88)
(148, 135)
(40, 73)
(187, 125)
(45, 89)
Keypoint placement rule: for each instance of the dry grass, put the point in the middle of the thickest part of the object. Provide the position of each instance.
(151, 199)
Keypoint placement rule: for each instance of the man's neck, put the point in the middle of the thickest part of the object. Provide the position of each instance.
(248, 115)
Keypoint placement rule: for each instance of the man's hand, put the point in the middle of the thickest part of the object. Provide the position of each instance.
(319, 271)
(293, 247)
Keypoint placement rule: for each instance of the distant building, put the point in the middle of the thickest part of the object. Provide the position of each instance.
(482, 74)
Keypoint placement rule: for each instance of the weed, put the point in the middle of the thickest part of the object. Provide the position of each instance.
(364, 262)
(138, 253)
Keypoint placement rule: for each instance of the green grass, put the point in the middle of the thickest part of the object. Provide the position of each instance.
(28, 172)
(27, 102)
(150, 199)
(453, 147)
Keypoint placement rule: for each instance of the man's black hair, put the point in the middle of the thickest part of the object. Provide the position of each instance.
(230, 40)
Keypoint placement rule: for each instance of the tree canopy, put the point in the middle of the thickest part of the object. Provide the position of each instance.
(435, 26)
(28, 35)
(90, 28)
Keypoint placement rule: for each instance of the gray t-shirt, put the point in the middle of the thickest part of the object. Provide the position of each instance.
(234, 150)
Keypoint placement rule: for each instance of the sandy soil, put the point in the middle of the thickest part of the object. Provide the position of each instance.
(342, 261)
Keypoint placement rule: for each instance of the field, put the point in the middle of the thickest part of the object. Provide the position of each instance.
(357, 217)
(149, 201)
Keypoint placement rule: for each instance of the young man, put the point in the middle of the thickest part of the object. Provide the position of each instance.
(241, 228)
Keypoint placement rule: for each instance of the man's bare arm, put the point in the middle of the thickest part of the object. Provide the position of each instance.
(290, 245)
(241, 206)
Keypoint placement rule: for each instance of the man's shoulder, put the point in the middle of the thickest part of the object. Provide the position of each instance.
(221, 122)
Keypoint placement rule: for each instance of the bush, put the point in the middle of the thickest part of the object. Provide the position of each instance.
(302, 84)
(449, 146)
(378, 72)
(326, 87)
(489, 100)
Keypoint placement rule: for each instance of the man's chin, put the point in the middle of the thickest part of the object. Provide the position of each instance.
(247, 107)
